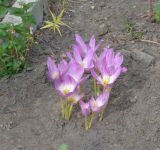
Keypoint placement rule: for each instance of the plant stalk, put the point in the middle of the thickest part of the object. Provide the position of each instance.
(102, 113)
(62, 107)
(98, 90)
(91, 120)
(86, 123)
(95, 87)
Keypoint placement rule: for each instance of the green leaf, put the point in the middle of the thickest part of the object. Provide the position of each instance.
(61, 14)
(21, 28)
(28, 18)
(3, 33)
(4, 46)
(63, 147)
(5, 26)
(157, 11)
(5, 3)
(3, 11)
(27, 6)
(16, 11)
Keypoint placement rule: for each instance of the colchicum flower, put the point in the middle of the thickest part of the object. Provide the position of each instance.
(75, 71)
(85, 107)
(52, 68)
(74, 98)
(54, 71)
(68, 77)
(101, 101)
(109, 67)
(83, 53)
(65, 85)
(82, 47)
(86, 111)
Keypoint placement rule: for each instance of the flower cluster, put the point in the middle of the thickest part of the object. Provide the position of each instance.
(69, 77)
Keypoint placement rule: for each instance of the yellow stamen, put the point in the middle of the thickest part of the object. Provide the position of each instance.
(66, 91)
(71, 100)
(106, 80)
(94, 104)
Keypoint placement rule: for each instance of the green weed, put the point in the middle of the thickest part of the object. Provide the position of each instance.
(16, 41)
(63, 147)
(157, 11)
(56, 22)
(131, 29)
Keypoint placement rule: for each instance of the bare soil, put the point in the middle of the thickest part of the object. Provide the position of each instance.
(29, 107)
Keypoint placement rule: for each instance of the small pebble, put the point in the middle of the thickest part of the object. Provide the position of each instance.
(133, 100)
(93, 7)
(106, 123)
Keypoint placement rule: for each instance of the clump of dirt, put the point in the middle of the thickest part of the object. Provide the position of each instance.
(29, 107)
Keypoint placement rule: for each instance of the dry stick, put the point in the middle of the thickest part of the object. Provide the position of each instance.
(148, 41)
(73, 1)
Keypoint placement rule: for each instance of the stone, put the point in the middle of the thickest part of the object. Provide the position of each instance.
(144, 57)
(93, 7)
(139, 56)
(37, 10)
(19, 147)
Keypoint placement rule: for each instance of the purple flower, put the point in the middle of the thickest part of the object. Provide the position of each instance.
(74, 98)
(87, 61)
(82, 47)
(85, 107)
(52, 69)
(75, 71)
(63, 67)
(109, 67)
(98, 104)
(84, 53)
(66, 85)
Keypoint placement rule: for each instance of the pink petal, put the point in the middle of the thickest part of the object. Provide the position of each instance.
(88, 59)
(81, 43)
(85, 107)
(76, 71)
(115, 75)
(77, 55)
(52, 68)
(92, 43)
(63, 67)
(124, 69)
(98, 78)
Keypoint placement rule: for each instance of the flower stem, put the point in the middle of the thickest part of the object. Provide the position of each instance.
(70, 111)
(102, 113)
(98, 90)
(91, 120)
(80, 88)
(66, 112)
(86, 123)
(62, 107)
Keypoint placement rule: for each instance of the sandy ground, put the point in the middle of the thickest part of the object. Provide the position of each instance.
(29, 107)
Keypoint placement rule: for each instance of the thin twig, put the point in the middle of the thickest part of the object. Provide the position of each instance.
(148, 41)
